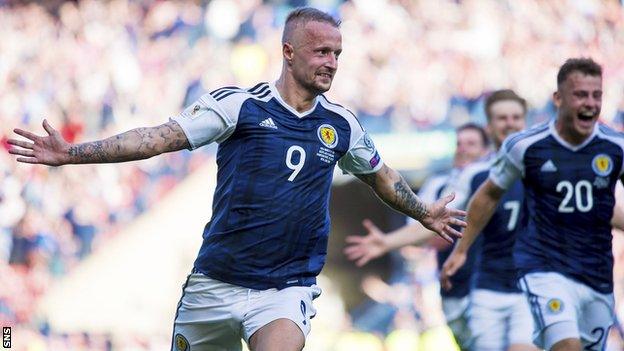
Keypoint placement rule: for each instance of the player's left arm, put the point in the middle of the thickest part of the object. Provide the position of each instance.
(392, 188)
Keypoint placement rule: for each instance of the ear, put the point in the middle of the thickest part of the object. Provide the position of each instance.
(288, 52)
(557, 98)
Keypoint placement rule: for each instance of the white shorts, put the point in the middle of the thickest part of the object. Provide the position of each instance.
(456, 312)
(563, 308)
(498, 320)
(214, 316)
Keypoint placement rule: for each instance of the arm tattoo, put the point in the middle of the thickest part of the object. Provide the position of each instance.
(136, 144)
(408, 201)
(369, 179)
(394, 191)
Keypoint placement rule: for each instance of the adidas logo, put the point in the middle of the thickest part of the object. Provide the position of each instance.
(548, 166)
(268, 123)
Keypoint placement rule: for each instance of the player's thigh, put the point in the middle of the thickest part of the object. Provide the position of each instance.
(279, 335)
(596, 318)
(553, 303)
(489, 311)
(293, 304)
(456, 311)
(206, 316)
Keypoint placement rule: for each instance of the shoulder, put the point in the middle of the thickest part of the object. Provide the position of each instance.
(341, 111)
(232, 96)
(607, 133)
(525, 138)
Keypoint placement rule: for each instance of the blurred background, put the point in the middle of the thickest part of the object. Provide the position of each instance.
(93, 257)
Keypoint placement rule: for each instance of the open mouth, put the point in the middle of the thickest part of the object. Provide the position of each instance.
(586, 116)
(325, 75)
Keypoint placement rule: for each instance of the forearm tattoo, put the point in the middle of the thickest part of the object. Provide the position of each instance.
(369, 179)
(398, 194)
(406, 200)
(136, 144)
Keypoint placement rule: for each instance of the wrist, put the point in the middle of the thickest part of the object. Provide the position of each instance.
(461, 247)
(69, 154)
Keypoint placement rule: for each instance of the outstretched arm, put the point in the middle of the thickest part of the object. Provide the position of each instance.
(390, 186)
(136, 144)
(480, 210)
(362, 249)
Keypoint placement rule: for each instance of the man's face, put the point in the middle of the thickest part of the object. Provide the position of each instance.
(313, 55)
(579, 99)
(506, 117)
(470, 147)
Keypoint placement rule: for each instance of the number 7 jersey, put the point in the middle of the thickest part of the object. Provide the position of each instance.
(569, 192)
(270, 217)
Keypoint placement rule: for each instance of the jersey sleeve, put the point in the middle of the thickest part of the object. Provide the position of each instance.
(506, 168)
(362, 156)
(205, 121)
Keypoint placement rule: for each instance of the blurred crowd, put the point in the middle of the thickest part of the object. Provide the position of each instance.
(97, 68)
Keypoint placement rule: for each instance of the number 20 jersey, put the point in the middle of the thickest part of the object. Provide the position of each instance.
(569, 193)
(270, 219)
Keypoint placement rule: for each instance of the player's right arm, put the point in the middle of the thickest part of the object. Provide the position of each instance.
(136, 144)
(201, 123)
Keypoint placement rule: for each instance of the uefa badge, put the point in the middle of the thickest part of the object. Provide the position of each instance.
(602, 165)
(555, 306)
(327, 135)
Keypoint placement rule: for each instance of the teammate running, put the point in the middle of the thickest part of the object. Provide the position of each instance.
(569, 168)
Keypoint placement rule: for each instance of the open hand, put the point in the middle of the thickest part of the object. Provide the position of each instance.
(362, 249)
(49, 150)
(440, 218)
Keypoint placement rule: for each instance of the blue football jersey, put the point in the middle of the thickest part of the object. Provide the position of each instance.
(270, 215)
(434, 188)
(496, 269)
(569, 192)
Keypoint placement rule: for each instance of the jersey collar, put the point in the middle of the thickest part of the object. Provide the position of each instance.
(281, 101)
(553, 132)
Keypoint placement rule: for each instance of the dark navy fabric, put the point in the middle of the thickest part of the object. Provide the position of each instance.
(462, 280)
(570, 206)
(267, 231)
(496, 269)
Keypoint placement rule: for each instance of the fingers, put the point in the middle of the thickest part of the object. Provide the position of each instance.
(457, 222)
(369, 225)
(457, 213)
(352, 252)
(48, 128)
(446, 282)
(21, 143)
(25, 134)
(354, 239)
(22, 152)
(30, 160)
(445, 236)
(362, 261)
(448, 270)
(450, 197)
(453, 232)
